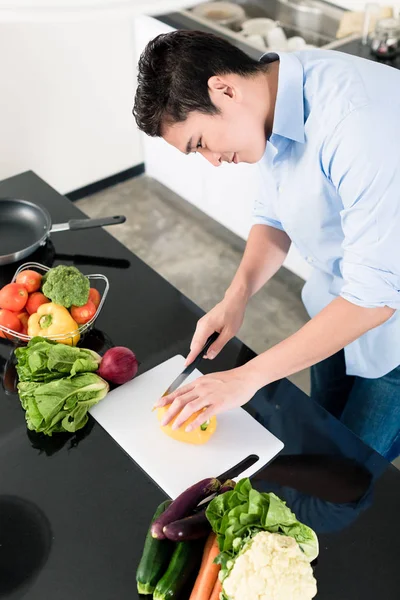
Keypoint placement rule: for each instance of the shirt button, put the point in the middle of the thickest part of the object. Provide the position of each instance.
(309, 259)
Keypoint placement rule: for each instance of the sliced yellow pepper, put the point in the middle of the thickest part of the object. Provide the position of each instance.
(199, 436)
(52, 320)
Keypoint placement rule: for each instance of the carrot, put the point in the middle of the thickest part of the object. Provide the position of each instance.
(208, 573)
(217, 590)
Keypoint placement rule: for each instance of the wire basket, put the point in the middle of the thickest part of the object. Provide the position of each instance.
(68, 338)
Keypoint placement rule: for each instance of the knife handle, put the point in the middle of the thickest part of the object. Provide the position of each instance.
(213, 337)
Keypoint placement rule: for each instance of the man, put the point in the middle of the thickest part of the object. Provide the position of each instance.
(328, 126)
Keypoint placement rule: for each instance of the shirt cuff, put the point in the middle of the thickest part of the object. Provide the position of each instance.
(370, 287)
(258, 220)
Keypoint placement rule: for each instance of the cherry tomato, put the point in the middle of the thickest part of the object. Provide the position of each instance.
(13, 296)
(83, 314)
(23, 317)
(94, 296)
(31, 280)
(34, 301)
(10, 320)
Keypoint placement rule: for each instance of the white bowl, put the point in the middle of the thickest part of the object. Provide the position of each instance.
(257, 26)
(223, 13)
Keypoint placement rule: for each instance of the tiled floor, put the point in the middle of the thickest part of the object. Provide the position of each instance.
(199, 257)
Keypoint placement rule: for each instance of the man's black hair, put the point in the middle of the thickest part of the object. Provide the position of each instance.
(174, 70)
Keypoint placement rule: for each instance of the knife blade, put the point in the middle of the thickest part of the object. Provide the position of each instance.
(190, 368)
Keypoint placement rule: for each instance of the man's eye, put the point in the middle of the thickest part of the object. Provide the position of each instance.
(199, 144)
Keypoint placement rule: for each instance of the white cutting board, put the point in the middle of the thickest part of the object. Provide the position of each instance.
(126, 415)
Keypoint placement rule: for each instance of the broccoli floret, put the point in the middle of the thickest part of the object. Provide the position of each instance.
(66, 286)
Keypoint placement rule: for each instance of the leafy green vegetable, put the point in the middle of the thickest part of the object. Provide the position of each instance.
(62, 404)
(66, 286)
(238, 515)
(44, 360)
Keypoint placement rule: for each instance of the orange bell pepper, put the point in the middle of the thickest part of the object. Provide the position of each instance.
(198, 436)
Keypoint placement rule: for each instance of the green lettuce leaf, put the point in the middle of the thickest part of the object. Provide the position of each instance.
(44, 360)
(238, 515)
(62, 404)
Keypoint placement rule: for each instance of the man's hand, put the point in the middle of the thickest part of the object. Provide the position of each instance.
(226, 318)
(216, 393)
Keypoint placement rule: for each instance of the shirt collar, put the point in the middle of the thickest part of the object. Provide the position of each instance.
(289, 106)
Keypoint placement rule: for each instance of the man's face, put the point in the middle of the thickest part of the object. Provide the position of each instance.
(236, 134)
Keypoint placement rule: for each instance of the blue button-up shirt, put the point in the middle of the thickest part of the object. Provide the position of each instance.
(331, 181)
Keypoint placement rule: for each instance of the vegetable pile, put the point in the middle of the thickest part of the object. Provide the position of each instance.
(57, 385)
(254, 548)
(49, 306)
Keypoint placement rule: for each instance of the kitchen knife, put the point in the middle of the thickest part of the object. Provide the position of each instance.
(190, 368)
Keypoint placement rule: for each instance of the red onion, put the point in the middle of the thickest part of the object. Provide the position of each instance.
(118, 365)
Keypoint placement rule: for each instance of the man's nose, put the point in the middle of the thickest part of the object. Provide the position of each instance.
(213, 157)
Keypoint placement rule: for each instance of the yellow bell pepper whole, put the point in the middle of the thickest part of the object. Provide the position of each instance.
(198, 436)
(52, 320)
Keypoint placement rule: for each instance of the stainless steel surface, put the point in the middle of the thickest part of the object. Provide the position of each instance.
(24, 227)
(314, 20)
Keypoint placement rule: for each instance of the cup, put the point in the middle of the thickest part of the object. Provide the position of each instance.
(276, 38)
(296, 43)
(256, 40)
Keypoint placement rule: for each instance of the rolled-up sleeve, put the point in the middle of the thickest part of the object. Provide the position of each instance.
(362, 160)
(264, 212)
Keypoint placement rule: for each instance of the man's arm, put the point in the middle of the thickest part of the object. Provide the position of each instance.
(336, 326)
(265, 252)
(266, 249)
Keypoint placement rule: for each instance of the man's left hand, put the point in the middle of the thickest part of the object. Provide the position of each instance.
(216, 393)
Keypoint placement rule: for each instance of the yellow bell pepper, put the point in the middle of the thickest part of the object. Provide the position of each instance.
(198, 436)
(52, 320)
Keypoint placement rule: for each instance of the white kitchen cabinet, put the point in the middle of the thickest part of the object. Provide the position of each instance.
(225, 193)
(66, 100)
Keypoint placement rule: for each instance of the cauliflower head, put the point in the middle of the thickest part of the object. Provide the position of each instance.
(271, 567)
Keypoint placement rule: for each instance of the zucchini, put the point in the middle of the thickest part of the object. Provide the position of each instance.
(184, 562)
(155, 557)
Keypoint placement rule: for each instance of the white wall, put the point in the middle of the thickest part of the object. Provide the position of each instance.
(66, 94)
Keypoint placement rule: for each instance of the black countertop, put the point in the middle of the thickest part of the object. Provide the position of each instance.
(74, 509)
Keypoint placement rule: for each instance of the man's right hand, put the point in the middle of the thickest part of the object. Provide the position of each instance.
(226, 318)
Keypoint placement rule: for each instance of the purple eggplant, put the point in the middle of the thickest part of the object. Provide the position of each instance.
(195, 526)
(190, 528)
(184, 504)
(228, 486)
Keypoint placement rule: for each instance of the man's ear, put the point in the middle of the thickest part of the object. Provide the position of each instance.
(219, 85)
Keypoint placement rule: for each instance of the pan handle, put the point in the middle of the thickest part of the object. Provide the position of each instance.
(75, 224)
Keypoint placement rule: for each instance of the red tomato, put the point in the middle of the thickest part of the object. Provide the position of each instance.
(34, 301)
(13, 296)
(23, 317)
(94, 296)
(30, 280)
(83, 314)
(10, 320)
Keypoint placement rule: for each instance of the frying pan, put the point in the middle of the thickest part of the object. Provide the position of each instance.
(25, 226)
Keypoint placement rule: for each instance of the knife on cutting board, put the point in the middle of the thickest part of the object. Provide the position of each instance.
(190, 368)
